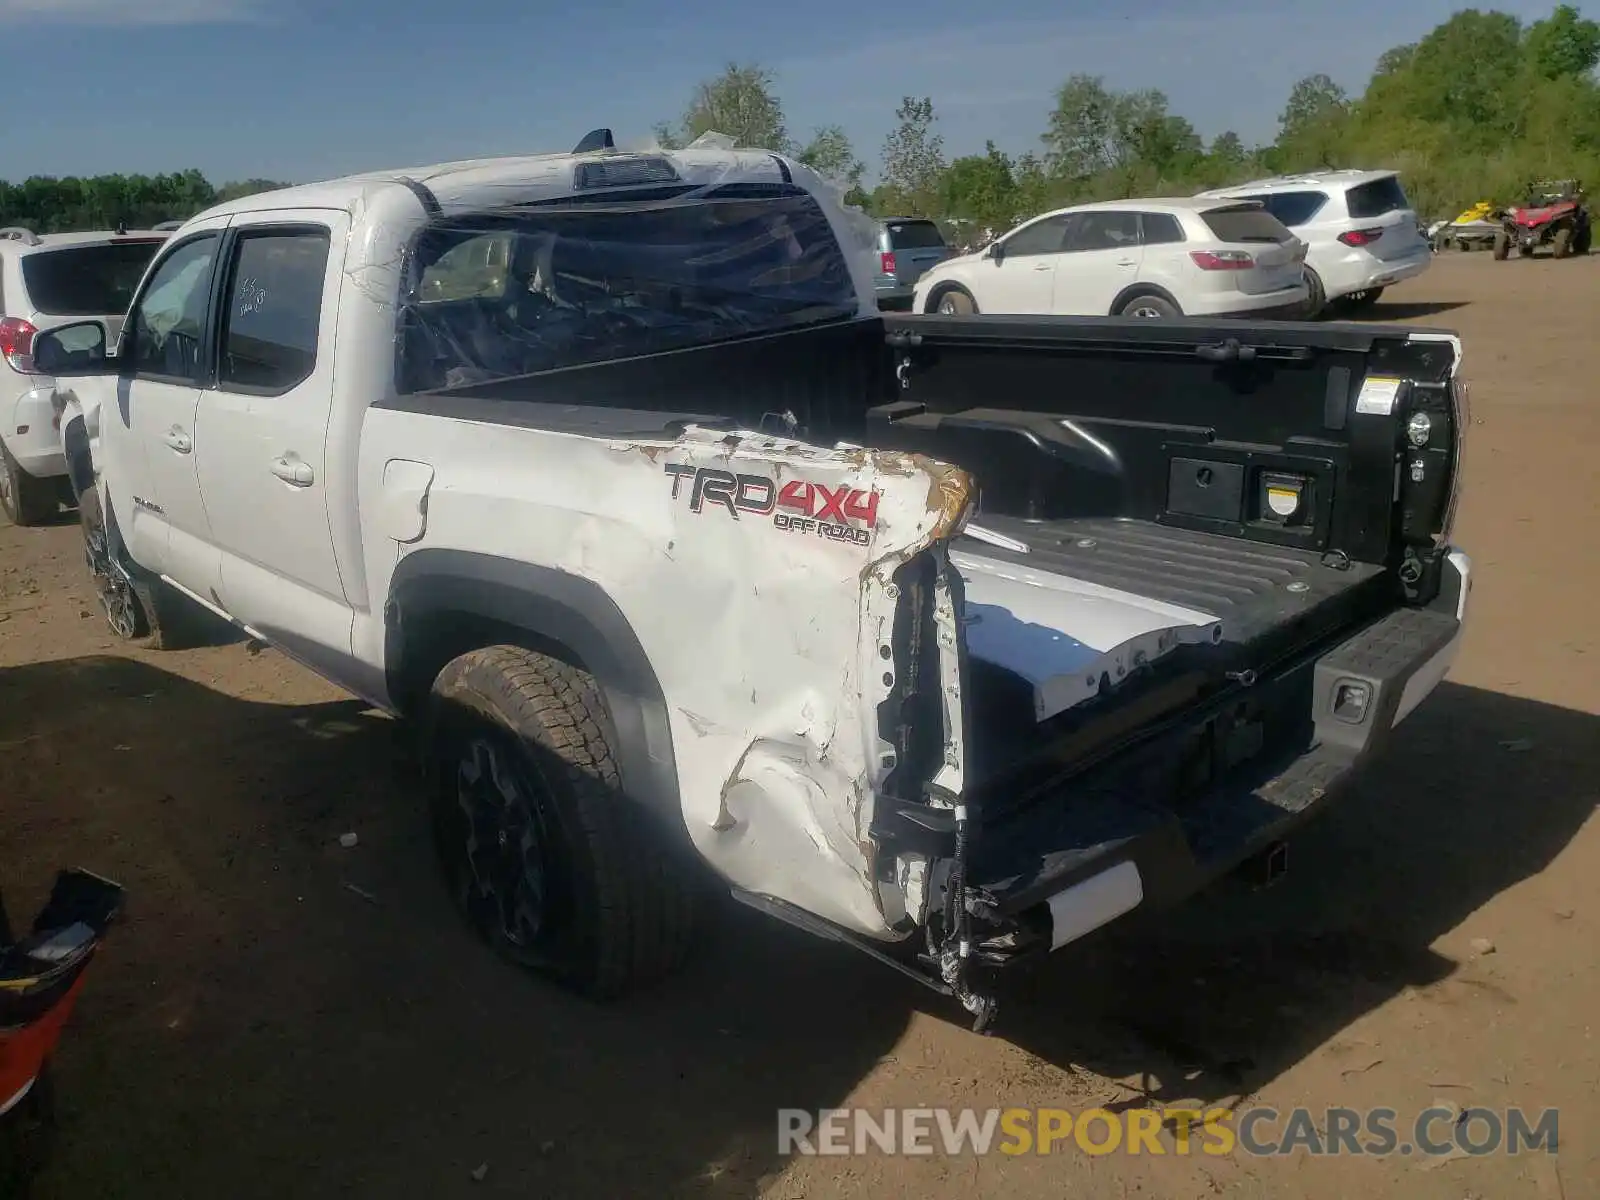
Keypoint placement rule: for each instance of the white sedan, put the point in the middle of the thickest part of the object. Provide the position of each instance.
(1186, 256)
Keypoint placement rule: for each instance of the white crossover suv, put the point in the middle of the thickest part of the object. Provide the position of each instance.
(48, 280)
(1360, 231)
(1135, 258)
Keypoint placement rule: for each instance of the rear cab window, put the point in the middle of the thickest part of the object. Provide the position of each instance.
(1245, 223)
(93, 280)
(502, 294)
(1378, 198)
(914, 235)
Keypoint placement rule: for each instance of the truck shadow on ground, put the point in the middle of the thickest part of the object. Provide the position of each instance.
(300, 1018)
(1405, 310)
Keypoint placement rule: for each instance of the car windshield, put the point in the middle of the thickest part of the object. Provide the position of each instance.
(94, 280)
(505, 294)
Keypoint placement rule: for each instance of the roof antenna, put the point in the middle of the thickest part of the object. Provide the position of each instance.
(595, 139)
(122, 227)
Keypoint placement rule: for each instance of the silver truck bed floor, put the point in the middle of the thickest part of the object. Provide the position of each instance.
(1250, 587)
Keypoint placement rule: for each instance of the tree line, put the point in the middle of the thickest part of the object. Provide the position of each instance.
(48, 205)
(1473, 111)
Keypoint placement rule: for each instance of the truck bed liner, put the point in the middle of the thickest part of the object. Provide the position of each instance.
(1251, 588)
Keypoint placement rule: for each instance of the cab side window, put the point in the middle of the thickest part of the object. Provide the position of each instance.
(273, 310)
(166, 330)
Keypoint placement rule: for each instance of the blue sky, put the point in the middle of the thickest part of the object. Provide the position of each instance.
(300, 90)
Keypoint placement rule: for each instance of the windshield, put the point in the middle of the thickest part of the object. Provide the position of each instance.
(511, 293)
(87, 281)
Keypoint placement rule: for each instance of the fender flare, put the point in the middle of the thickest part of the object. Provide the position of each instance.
(556, 607)
(1143, 289)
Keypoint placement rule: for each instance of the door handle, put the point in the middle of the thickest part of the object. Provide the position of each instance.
(1043, 266)
(294, 471)
(178, 440)
(1127, 262)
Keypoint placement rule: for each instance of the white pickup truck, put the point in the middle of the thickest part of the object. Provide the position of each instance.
(949, 638)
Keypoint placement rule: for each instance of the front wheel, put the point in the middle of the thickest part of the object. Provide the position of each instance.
(547, 859)
(1561, 244)
(957, 302)
(138, 608)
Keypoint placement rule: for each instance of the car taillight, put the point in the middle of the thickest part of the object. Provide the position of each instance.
(16, 344)
(886, 262)
(1360, 237)
(1223, 260)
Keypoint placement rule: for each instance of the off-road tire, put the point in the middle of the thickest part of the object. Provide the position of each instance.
(617, 894)
(26, 500)
(160, 618)
(1502, 246)
(1581, 239)
(1561, 243)
(955, 302)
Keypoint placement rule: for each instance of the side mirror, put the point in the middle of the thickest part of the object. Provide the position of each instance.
(996, 251)
(77, 349)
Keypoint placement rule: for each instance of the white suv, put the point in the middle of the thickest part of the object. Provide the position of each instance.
(1360, 230)
(1130, 258)
(47, 280)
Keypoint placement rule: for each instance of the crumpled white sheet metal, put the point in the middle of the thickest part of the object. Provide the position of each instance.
(1064, 636)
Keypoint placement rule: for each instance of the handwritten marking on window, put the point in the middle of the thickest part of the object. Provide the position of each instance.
(252, 296)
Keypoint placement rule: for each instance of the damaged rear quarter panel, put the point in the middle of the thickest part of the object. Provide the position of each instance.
(757, 575)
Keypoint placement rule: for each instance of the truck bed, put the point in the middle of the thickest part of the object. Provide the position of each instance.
(1273, 604)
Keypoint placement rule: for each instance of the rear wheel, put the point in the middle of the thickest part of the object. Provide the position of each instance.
(1502, 246)
(26, 500)
(543, 854)
(1580, 240)
(1152, 308)
(956, 302)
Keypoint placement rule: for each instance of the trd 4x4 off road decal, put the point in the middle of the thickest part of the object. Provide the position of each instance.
(839, 514)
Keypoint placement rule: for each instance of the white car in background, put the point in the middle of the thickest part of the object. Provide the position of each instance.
(1359, 228)
(1131, 258)
(48, 280)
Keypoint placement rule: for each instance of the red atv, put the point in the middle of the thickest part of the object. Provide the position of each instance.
(1556, 215)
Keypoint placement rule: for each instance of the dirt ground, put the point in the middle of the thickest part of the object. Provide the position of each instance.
(258, 1028)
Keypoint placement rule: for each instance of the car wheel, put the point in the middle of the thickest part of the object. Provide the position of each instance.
(138, 608)
(26, 500)
(956, 302)
(546, 858)
(1149, 308)
(1316, 295)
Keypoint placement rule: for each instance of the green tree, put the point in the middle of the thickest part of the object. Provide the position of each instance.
(1312, 127)
(830, 154)
(913, 160)
(981, 188)
(741, 103)
(1564, 44)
